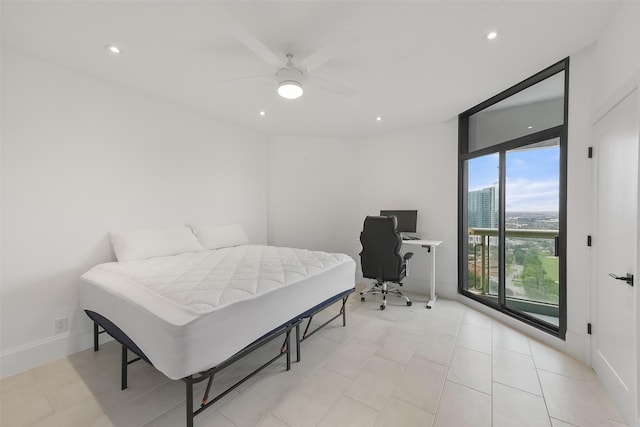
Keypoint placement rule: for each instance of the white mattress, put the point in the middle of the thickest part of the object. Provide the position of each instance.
(191, 311)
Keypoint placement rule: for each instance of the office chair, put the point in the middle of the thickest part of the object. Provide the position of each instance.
(381, 258)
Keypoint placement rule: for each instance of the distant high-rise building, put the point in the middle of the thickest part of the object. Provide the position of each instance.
(483, 207)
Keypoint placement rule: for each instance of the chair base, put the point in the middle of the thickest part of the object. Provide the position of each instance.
(384, 289)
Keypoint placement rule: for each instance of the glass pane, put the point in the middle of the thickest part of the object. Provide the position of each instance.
(536, 108)
(531, 228)
(482, 222)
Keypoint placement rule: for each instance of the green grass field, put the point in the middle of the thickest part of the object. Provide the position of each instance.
(550, 265)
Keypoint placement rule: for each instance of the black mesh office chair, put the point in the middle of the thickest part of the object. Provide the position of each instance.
(381, 258)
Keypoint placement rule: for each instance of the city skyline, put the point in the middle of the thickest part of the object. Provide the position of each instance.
(533, 178)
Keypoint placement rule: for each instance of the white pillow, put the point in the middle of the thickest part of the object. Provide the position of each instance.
(143, 244)
(220, 236)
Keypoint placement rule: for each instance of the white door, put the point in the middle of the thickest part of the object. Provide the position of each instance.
(614, 356)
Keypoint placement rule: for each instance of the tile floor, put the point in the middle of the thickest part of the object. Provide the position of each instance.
(406, 366)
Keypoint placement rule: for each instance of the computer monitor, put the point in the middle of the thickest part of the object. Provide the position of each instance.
(406, 220)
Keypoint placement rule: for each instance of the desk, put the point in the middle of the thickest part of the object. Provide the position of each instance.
(430, 246)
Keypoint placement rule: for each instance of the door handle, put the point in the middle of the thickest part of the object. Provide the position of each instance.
(628, 278)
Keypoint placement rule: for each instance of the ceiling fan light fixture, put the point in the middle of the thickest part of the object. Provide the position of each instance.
(290, 89)
(289, 83)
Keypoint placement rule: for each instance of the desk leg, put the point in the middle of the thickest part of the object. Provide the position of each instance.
(433, 295)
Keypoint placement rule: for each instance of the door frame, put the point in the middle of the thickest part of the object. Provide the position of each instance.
(629, 87)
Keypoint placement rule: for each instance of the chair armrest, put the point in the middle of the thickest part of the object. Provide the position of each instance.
(408, 256)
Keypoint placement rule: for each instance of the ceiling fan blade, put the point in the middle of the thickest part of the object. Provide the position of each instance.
(329, 51)
(254, 45)
(330, 86)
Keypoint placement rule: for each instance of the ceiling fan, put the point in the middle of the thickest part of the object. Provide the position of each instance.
(291, 75)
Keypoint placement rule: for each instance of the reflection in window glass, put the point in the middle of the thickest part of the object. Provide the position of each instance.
(538, 107)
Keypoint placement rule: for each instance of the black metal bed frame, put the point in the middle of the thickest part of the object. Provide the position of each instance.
(285, 350)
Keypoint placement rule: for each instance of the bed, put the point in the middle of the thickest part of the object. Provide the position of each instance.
(192, 313)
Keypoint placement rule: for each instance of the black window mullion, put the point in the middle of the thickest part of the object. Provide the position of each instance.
(463, 189)
(564, 138)
(502, 184)
(517, 143)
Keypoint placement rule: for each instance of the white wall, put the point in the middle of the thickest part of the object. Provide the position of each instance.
(321, 189)
(81, 158)
(616, 54)
(416, 169)
(313, 193)
(579, 203)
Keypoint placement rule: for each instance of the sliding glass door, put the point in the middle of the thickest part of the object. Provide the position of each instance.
(512, 201)
(532, 229)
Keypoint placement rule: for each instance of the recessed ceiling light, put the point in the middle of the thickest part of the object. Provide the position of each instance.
(113, 49)
(378, 118)
(529, 127)
(262, 113)
(492, 35)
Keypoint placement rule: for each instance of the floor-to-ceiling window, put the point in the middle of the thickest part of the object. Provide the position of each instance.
(512, 200)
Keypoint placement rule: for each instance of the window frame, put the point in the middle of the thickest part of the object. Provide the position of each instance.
(501, 148)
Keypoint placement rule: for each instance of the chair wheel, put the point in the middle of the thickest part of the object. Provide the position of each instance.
(382, 306)
(362, 299)
(409, 303)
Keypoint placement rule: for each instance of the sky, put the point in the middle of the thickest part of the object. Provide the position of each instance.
(533, 178)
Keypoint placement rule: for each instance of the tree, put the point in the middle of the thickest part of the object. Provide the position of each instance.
(518, 255)
(532, 276)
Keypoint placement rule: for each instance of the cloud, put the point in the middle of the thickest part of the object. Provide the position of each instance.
(524, 195)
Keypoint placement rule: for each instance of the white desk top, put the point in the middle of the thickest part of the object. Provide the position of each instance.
(422, 243)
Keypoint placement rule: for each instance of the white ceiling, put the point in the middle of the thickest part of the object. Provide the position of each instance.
(413, 63)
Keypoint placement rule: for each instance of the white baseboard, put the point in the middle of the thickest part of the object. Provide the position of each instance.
(31, 355)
